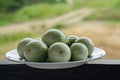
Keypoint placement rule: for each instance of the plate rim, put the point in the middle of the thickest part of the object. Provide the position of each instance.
(54, 63)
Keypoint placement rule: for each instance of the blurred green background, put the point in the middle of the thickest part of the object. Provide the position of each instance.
(97, 19)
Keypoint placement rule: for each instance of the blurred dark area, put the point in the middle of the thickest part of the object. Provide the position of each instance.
(12, 5)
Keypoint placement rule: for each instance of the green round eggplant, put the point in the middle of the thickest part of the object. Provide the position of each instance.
(72, 39)
(52, 36)
(88, 43)
(36, 51)
(79, 52)
(59, 52)
(21, 46)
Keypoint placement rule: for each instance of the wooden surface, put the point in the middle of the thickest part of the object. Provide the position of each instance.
(95, 70)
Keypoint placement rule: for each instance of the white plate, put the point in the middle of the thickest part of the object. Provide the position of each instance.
(13, 56)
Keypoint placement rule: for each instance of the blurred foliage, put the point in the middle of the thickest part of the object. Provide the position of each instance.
(13, 11)
(21, 10)
(59, 26)
(41, 11)
(12, 5)
(5, 5)
(105, 14)
(5, 38)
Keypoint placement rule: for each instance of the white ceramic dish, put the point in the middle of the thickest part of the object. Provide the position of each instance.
(13, 56)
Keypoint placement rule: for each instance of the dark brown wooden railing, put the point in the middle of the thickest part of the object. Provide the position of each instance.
(94, 70)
